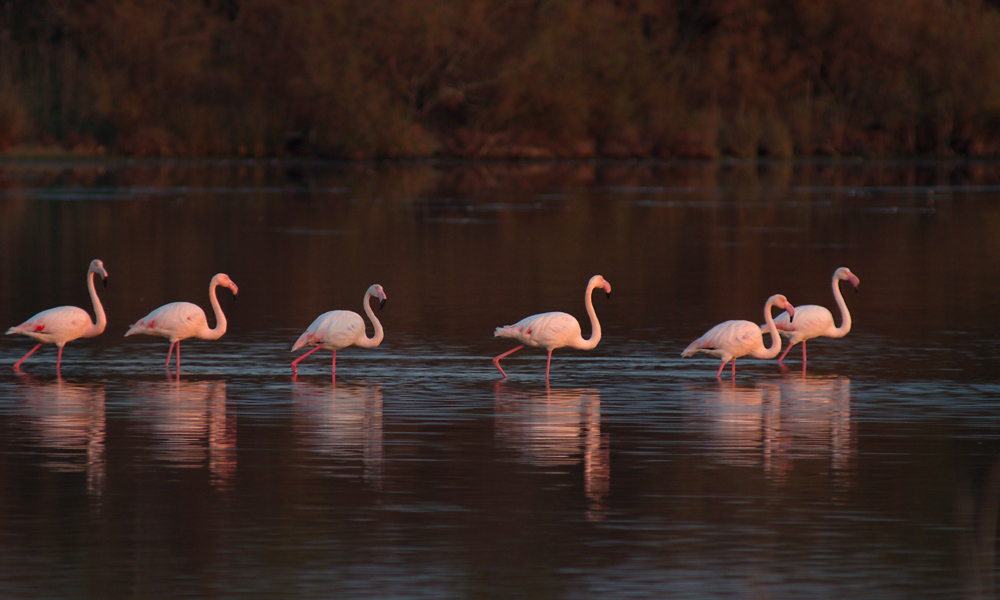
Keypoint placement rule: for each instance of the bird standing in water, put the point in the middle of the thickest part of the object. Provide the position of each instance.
(182, 320)
(733, 339)
(339, 329)
(553, 330)
(65, 323)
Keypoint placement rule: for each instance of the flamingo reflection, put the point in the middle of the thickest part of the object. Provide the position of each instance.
(342, 420)
(190, 427)
(557, 428)
(777, 424)
(67, 421)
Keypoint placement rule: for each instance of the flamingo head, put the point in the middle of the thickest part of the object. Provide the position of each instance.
(599, 282)
(224, 280)
(843, 273)
(781, 302)
(377, 291)
(97, 266)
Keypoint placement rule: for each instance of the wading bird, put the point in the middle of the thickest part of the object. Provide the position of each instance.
(182, 320)
(816, 321)
(733, 339)
(553, 330)
(65, 323)
(342, 328)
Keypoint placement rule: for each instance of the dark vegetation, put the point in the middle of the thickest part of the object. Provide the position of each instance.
(496, 78)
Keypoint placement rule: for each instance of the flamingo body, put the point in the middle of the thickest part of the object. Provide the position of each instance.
(553, 330)
(338, 329)
(733, 339)
(182, 320)
(65, 323)
(175, 321)
(812, 321)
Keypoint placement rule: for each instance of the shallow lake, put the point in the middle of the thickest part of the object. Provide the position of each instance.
(873, 471)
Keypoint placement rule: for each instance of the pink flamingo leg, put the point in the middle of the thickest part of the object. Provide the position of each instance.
(295, 362)
(17, 365)
(178, 357)
(803, 352)
(734, 368)
(169, 352)
(496, 361)
(783, 354)
(59, 359)
(721, 367)
(333, 365)
(548, 363)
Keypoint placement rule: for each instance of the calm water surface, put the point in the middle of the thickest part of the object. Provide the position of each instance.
(418, 472)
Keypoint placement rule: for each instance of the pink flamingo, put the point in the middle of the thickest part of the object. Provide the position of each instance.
(553, 330)
(182, 320)
(733, 339)
(65, 323)
(814, 321)
(339, 329)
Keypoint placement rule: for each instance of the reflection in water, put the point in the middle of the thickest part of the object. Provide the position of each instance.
(977, 513)
(67, 420)
(556, 428)
(776, 424)
(343, 420)
(189, 425)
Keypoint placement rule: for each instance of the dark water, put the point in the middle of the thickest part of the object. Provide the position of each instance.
(419, 473)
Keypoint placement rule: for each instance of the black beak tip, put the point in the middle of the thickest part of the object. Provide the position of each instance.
(381, 304)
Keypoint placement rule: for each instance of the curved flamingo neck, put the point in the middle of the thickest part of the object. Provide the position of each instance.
(595, 325)
(220, 317)
(775, 347)
(845, 315)
(376, 339)
(102, 319)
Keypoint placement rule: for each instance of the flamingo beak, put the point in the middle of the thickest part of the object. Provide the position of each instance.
(381, 299)
(790, 310)
(104, 280)
(607, 289)
(381, 304)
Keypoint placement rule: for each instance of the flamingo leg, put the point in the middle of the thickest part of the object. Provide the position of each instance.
(333, 365)
(178, 357)
(169, 352)
(59, 360)
(295, 362)
(734, 368)
(496, 361)
(723, 366)
(803, 352)
(783, 354)
(17, 365)
(548, 363)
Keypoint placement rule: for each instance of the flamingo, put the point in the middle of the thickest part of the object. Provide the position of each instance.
(553, 330)
(181, 320)
(339, 329)
(65, 323)
(815, 321)
(733, 339)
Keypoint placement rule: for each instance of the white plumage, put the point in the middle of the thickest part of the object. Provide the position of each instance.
(182, 320)
(553, 330)
(732, 339)
(65, 323)
(339, 329)
(816, 321)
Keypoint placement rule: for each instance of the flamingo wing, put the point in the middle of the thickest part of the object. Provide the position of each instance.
(546, 330)
(810, 321)
(333, 330)
(175, 321)
(56, 325)
(727, 340)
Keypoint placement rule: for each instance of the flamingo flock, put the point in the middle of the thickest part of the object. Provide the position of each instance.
(338, 329)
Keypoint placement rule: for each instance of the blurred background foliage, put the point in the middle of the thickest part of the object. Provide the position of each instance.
(501, 78)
